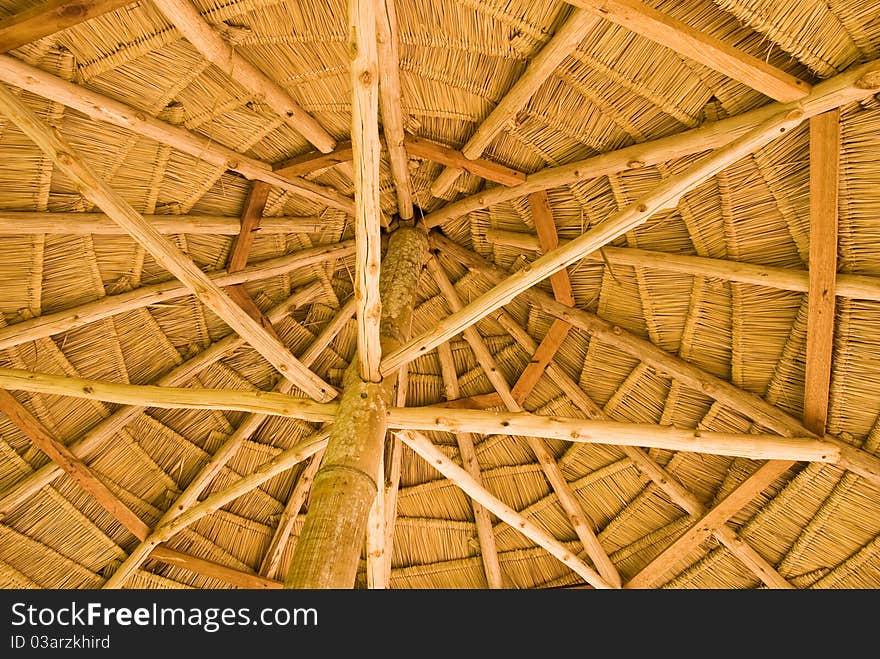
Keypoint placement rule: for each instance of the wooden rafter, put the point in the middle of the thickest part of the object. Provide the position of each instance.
(105, 109)
(433, 456)
(862, 287)
(542, 216)
(802, 446)
(582, 525)
(542, 66)
(315, 161)
(676, 492)
(25, 222)
(468, 453)
(852, 85)
(824, 176)
(710, 51)
(50, 17)
(165, 253)
(144, 296)
(72, 465)
(390, 103)
(211, 569)
(663, 196)
(211, 44)
(248, 426)
(491, 171)
(94, 438)
(362, 17)
(709, 522)
(279, 464)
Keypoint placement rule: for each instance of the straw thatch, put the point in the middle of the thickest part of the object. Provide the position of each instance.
(804, 525)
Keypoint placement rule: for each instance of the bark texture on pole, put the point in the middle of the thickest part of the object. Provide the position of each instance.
(329, 547)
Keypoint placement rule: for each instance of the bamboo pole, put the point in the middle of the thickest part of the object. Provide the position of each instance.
(216, 50)
(433, 456)
(542, 66)
(581, 524)
(165, 253)
(663, 196)
(698, 46)
(364, 73)
(83, 447)
(824, 183)
(103, 108)
(465, 441)
(266, 471)
(854, 84)
(390, 100)
(155, 294)
(845, 285)
(16, 223)
(328, 551)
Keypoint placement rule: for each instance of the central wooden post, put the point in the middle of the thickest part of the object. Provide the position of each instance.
(329, 547)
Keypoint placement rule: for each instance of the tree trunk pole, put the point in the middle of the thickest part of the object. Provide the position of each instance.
(329, 548)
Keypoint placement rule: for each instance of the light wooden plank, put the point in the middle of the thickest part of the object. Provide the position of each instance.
(824, 184)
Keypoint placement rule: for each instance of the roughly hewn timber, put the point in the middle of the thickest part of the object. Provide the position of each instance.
(50, 17)
(854, 84)
(665, 195)
(329, 547)
(166, 253)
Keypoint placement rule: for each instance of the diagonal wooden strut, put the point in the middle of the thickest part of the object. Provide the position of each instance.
(663, 196)
(165, 253)
(854, 84)
(582, 525)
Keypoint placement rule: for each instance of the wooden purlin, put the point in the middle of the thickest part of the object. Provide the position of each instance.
(50, 17)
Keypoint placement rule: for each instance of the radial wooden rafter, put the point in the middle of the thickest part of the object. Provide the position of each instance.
(548, 362)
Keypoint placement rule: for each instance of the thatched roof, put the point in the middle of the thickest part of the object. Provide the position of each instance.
(669, 332)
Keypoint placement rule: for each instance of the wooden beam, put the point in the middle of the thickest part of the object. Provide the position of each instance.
(390, 99)
(92, 439)
(465, 441)
(205, 149)
(581, 524)
(165, 253)
(156, 294)
(248, 426)
(271, 563)
(802, 447)
(314, 161)
(211, 569)
(16, 223)
(853, 286)
(50, 17)
(856, 83)
(216, 50)
(328, 552)
(570, 34)
(548, 240)
(362, 17)
(491, 171)
(709, 522)
(434, 457)
(663, 196)
(73, 466)
(266, 471)
(698, 46)
(661, 361)
(677, 493)
(478, 402)
(824, 183)
(251, 217)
